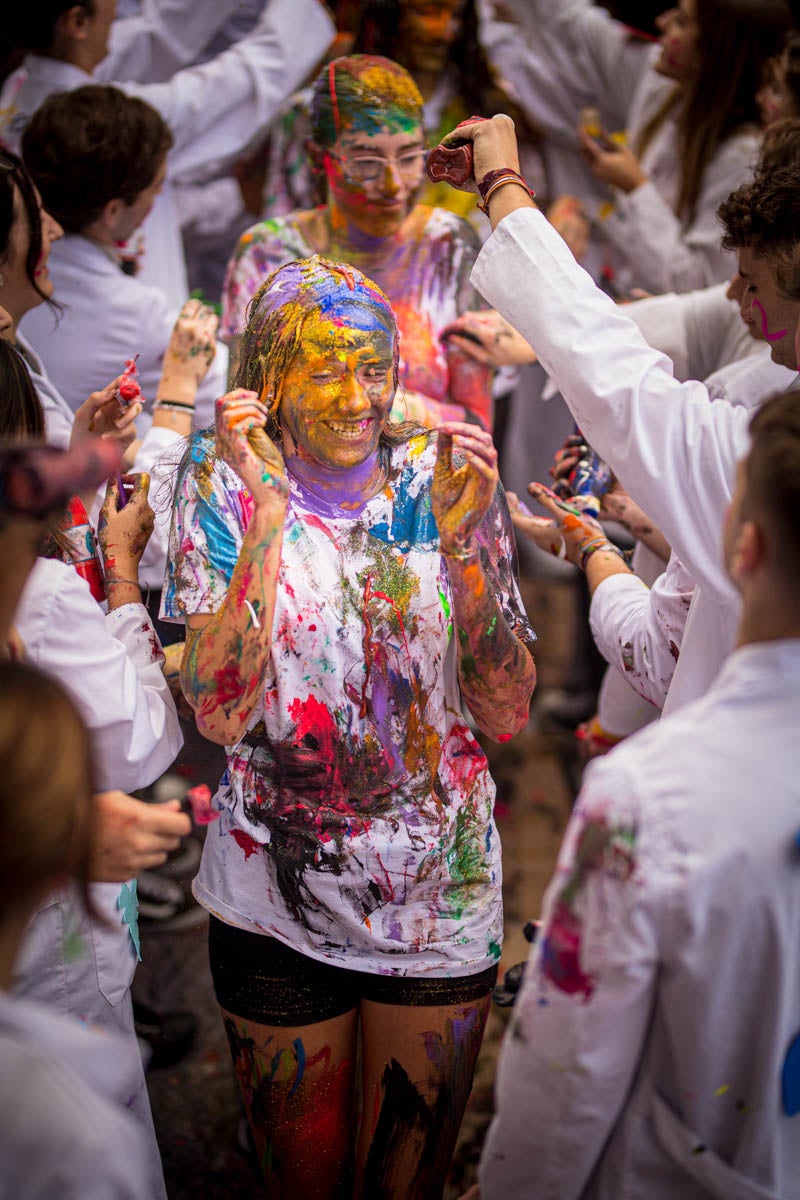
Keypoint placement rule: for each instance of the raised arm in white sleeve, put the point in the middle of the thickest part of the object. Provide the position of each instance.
(111, 666)
(673, 450)
(216, 109)
(162, 38)
(570, 1054)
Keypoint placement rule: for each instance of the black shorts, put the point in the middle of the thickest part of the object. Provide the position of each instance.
(258, 978)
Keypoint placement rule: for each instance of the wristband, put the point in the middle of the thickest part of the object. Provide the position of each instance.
(494, 180)
(599, 543)
(179, 404)
(132, 583)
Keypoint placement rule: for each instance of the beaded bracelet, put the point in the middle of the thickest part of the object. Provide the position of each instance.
(599, 543)
(493, 180)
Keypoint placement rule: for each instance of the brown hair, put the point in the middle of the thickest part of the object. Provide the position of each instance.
(46, 789)
(781, 146)
(736, 40)
(92, 145)
(21, 412)
(772, 470)
(32, 25)
(15, 178)
(765, 216)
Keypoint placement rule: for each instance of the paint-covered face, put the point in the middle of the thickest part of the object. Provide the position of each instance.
(338, 391)
(736, 290)
(762, 304)
(428, 29)
(373, 178)
(679, 36)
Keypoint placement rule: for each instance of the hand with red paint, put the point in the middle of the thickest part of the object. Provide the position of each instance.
(123, 533)
(131, 836)
(103, 415)
(129, 389)
(569, 534)
(462, 495)
(242, 442)
(494, 145)
(488, 338)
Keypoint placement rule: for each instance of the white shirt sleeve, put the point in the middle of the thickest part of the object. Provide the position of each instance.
(699, 330)
(163, 37)
(672, 449)
(579, 1023)
(216, 109)
(111, 666)
(639, 629)
(669, 255)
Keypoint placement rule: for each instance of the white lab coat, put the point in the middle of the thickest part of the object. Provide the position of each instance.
(646, 1047)
(214, 110)
(572, 55)
(672, 450)
(108, 317)
(150, 45)
(111, 666)
(67, 1134)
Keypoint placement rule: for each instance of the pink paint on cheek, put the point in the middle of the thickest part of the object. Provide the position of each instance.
(768, 337)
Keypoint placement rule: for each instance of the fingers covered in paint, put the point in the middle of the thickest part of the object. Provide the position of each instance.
(580, 532)
(124, 532)
(488, 338)
(462, 491)
(103, 414)
(131, 836)
(242, 442)
(542, 531)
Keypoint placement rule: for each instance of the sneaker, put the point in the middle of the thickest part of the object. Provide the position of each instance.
(165, 906)
(170, 1035)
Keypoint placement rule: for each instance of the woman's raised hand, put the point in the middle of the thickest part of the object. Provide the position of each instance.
(614, 162)
(123, 533)
(461, 495)
(191, 350)
(244, 445)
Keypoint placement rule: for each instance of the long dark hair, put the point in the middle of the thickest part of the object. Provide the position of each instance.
(21, 412)
(736, 40)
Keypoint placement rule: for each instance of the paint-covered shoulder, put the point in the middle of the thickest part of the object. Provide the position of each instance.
(442, 223)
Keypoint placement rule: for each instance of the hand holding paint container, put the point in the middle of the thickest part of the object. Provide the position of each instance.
(124, 530)
(454, 162)
(128, 389)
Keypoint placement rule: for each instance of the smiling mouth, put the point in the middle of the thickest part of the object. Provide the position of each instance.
(350, 429)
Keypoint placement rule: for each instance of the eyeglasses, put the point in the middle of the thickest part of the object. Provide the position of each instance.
(368, 168)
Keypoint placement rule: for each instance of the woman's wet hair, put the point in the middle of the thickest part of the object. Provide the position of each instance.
(46, 789)
(363, 93)
(15, 178)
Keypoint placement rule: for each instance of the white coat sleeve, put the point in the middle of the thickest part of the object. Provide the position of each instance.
(669, 255)
(111, 666)
(699, 330)
(639, 629)
(580, 1020)
(216, 109)
(567, 56)
(671, 448)
(163, 37)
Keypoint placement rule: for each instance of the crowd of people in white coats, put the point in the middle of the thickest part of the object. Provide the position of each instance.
(432, 245)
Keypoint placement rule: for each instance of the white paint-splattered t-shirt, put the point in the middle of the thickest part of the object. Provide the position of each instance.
(356, 811)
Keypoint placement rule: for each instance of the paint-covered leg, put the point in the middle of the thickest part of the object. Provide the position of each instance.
(297, 1087)
(418, 1068)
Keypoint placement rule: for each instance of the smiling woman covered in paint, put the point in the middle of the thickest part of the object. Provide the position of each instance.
(368, 141)
(346, 583)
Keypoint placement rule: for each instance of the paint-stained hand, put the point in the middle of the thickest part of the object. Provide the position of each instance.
(244, 445)
(191, 350)
(130, 836)
(612, 162)
(488, 338)
(461, 495)
(494, 145)
(123, 533)
(103, 414)
(569, 533)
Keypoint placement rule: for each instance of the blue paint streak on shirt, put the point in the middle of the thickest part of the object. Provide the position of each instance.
(413, 523)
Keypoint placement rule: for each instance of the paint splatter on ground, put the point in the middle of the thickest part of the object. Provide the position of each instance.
(195, 1103)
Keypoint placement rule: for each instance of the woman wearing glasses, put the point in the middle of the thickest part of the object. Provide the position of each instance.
(368, 142)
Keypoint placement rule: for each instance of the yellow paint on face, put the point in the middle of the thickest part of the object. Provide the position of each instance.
(338, 391)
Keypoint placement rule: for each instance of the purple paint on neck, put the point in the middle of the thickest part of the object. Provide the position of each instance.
(334, 491)
(768, 337)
